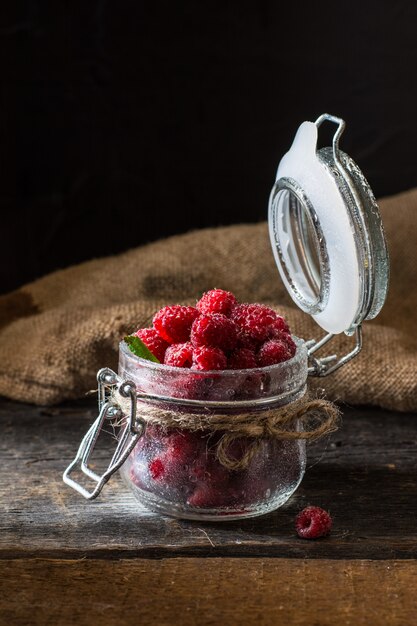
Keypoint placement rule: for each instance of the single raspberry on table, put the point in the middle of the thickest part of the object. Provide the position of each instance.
(242, 359)
(273, 351)
(173, 323)
(313, 522)
(214, 330)
(207, 358)
(254, 319)
(216, 301)
(179, 355)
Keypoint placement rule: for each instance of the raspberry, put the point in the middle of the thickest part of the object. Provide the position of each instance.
(173, 323)
(290, 343)
(207, 358)
(188, 386)
(273, 351)
(281, 325)
(206, 496)
(313, 522)
(285, 338)
(182, 445)
(153, 341)
(156, 469)
(215, 330)
(179, 355)
(244, 340)
(216, 301)
(254, 319)
(242, 359)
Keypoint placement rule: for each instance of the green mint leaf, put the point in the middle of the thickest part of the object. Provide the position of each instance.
(137, 346)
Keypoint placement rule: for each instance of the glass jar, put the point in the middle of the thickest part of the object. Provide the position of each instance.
(179, 472)
(178, 448)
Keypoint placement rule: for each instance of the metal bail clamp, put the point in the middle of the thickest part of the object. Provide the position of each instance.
(131, 431)
(327, 365)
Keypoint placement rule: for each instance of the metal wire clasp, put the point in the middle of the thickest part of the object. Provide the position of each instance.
(132, 429)
(329, 364)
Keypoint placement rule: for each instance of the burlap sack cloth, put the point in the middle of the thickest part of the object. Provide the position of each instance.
(57, 331)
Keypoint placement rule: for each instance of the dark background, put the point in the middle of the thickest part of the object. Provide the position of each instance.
(123, 122)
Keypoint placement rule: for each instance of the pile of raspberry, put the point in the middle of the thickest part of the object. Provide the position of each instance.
(219, 333)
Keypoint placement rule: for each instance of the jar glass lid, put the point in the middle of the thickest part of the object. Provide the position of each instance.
(326, 233)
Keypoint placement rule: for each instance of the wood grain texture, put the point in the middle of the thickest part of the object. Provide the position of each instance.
(197, 591)
(365, 474)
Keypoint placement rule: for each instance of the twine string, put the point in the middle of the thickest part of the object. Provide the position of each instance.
(307, 419)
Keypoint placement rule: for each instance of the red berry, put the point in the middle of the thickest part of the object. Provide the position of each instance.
(313, 522)
(215, 330)
(206, 358)
(290, 343)
(216, 301)
(254, 319)
(156, 469)
(273, 351)
(281, 325)
(173, 323)
(182, 445)
(242, 359)
(244, 340)
(179, 355)
(153, 341)
(285, 338)
(207, 496)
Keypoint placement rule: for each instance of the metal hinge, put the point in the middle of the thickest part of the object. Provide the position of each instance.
(328, 364)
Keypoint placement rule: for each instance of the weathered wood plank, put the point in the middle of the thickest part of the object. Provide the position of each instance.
(365, 474)
(190, 591)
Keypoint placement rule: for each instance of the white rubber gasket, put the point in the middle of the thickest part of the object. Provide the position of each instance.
(338, 310)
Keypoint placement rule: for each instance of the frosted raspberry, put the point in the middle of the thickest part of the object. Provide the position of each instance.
(182, 445)
(241, 359)
(179, 355)
(216, 301)
(156, 469)
(153, 341)
(215, 330)
(206, 496)
(173, 323)
(282, 335)
(281, 325)
(254, 319)
(188, 386)
(273, 351)
(313, 522)
(207, 358)
(290, 343)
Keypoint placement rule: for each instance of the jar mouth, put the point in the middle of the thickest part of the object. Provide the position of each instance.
(260, 386)
(300, 355)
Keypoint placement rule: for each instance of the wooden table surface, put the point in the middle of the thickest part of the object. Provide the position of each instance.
(68, 561)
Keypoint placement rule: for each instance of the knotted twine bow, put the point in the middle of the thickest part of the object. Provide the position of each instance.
(307, 418)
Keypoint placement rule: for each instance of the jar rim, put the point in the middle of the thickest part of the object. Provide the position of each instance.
(300, 355)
